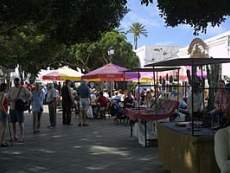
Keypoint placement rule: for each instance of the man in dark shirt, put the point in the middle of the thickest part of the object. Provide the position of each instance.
(67, 102)
(84, 96)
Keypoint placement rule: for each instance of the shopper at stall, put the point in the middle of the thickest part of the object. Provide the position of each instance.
(102, 102)
(196, 103)
(93, 98)
(148, 99)
(129, 101)
(219, 102)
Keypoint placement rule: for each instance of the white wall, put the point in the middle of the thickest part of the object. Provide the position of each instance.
(148, 54)
(140, 52)
(219, 49)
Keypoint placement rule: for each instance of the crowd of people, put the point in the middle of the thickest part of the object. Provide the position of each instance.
(87, 103)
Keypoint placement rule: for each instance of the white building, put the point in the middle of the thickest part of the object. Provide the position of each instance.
(148, 54)
(218, 47)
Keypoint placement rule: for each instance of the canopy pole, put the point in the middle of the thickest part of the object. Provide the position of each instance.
(192, 90)
(203, 86)
(178, 84)
(154, 83)
(139, 94)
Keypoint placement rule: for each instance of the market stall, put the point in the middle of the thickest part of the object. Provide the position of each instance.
(144, 119)
(188, 146)
(108, 72)
(61, 74)
(166, 109)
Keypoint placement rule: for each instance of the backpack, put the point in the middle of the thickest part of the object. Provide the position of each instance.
(21, 105)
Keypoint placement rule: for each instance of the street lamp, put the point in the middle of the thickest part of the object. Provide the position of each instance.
(111, 53)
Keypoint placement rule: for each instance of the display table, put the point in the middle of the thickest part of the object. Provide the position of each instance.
(180, 152)
(145, 114)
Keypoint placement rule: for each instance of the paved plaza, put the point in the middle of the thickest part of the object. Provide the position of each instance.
(98, 148)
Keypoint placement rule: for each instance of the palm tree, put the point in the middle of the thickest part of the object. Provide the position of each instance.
(137, 29)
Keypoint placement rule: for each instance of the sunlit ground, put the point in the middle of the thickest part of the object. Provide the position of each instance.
(101, 147)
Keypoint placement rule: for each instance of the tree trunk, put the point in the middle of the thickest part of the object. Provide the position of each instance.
(213, 73)
(135, 42)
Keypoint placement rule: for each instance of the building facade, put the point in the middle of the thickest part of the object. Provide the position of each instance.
(218, 47)
(149, 54)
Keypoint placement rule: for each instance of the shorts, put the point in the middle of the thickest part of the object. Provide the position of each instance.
(84, 104)
(3, 117)
(16, 116)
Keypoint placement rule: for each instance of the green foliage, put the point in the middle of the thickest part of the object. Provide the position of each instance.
(90, 56)
(137, 29)
(28, 49)
(67, 21)
(35, 34)
(196, 13)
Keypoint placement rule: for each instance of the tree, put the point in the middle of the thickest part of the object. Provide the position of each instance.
(196, 13)
(67, 21)
(89, 56)
(30, 50)
(137, 29)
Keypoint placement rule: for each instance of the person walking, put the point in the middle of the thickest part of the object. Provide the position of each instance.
(67, 102)
(18, 96)
(51, 99)
(37, 107)
(84, 96)
(3, 114)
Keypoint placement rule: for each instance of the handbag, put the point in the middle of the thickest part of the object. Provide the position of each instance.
(21, 105)
(1, 102)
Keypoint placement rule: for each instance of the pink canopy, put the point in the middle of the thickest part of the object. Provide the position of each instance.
(108, 72)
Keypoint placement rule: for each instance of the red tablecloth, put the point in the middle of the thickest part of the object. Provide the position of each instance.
(167, 109)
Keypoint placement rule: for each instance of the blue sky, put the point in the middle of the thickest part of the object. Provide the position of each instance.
(158, 33)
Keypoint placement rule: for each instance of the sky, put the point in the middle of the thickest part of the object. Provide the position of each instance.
(158, 33)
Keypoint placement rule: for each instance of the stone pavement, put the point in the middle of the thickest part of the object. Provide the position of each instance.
(101, 147)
